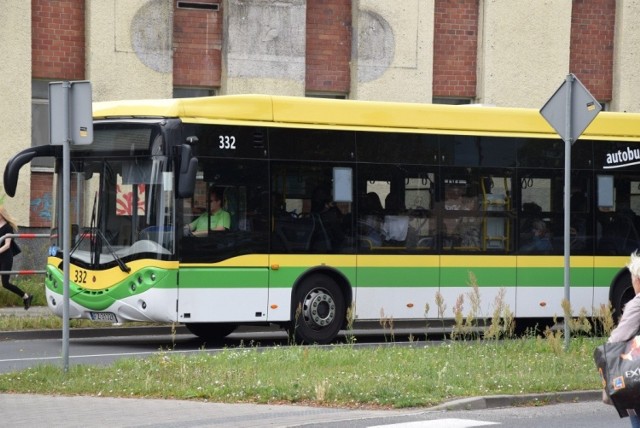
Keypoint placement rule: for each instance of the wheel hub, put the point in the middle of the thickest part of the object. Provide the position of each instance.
(319, 309)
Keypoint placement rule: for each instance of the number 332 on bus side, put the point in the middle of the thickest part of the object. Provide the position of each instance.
(227, 142)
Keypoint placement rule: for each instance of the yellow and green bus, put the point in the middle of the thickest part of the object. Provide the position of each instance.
(331, 205)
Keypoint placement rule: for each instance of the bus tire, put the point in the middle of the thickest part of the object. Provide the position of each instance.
(621, 294)
(318, 310)
(211, 331)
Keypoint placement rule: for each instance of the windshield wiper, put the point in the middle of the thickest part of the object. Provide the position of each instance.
(121, 264)
(95, 236)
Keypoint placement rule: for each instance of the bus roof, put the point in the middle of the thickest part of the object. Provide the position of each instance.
(266, 110)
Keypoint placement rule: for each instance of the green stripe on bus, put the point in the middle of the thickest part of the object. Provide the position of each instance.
(398, 277)
(224, 278)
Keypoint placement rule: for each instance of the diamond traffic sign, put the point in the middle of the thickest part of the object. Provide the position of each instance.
(570, 109)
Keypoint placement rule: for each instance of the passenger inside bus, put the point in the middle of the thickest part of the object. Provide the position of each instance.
(330, 233)
(396, 221)
(540, 239)
(215, 219)
(370, 224)
(462, 231)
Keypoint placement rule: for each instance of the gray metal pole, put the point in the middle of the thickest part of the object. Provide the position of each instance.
(66, 234)
(567, 209)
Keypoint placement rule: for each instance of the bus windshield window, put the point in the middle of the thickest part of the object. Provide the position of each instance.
(121, 209)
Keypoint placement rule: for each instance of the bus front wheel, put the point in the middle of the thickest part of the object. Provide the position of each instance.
(318, 310)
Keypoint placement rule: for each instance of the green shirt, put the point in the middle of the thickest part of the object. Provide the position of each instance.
(221, 218)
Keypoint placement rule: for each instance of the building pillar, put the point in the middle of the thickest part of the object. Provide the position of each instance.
(129, 49)
(626, 57)
(264, 47)
(15, 87)
(392, 50)
(523, 51)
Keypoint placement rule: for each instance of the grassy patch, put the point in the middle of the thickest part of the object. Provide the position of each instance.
(51, 322)
(386, 376)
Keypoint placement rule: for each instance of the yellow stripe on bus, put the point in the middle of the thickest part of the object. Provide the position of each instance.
(102, 279)
(248, 260)
(310, 260)
(380, 260)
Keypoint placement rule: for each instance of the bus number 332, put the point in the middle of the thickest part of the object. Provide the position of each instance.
(80, 276)
(227, 142)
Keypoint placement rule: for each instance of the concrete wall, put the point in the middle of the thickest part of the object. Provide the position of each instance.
(523, 51)
(15, 87)
(264, 47)
(626, 59)
(392, 50)
(129, 52)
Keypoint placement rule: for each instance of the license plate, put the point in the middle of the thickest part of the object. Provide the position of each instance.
(103, 316)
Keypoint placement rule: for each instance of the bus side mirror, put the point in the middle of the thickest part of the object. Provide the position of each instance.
(188, 168)
(12, 168)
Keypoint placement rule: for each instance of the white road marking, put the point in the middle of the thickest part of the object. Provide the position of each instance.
(439, 423)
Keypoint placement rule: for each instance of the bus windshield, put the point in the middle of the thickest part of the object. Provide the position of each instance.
(121, 207)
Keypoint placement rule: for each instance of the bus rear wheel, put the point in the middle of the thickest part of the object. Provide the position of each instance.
(211, 331)
(622, 293)
(318, 310)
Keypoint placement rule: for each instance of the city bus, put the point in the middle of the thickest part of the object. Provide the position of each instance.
(336, 213)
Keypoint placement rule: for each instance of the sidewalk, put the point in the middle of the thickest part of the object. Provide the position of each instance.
(18, 311)
(75, 411)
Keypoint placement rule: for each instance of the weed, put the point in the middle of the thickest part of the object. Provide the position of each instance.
(441, 305)
(322, 390)
(349, 336)
(458, 330)
(502, 322)
(387, 325)
(554, 340)
(296, 319)
(603, 320)
(426, 317)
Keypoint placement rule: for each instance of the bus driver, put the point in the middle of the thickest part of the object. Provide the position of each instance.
(219, 219)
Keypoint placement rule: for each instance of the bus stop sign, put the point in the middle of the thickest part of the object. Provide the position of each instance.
(70, 113)
(570, 109)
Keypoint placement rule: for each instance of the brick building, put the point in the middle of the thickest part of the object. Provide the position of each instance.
(500, 52)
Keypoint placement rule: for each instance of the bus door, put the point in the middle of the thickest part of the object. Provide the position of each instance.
(224, 261)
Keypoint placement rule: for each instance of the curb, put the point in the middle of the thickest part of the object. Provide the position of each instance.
(497, 401)
(83, 333)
